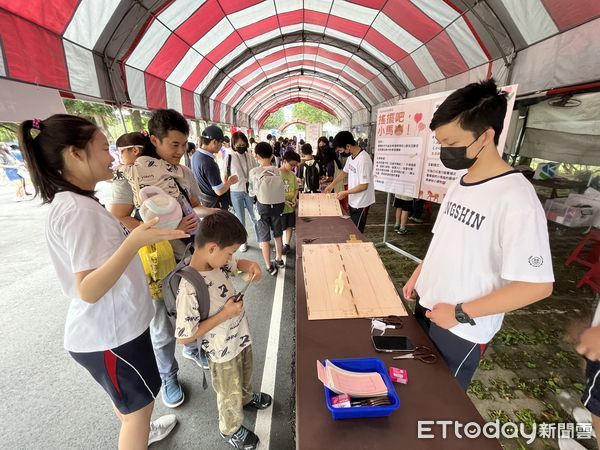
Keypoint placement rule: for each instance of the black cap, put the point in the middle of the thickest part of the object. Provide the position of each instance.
(226, 139)
(213, 132)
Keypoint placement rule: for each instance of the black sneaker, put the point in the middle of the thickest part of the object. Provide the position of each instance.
(280, 263)
(272, 269)
(286, 249)
(260, 400)
(242, 439)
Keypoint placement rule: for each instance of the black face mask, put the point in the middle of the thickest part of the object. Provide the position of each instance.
(455, 158)
(241, 149)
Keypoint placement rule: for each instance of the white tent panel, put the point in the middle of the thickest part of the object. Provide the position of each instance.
(89, 21)
(550, 63)
(137, 86)
(81, 66)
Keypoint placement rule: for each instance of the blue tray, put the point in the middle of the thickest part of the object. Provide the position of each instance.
(355, 412)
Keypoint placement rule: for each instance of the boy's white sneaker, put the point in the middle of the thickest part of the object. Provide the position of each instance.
(161, 427)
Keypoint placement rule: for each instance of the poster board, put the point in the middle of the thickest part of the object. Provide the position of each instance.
(313, 133)
(367, 290)
(407, 155)
(22, 101)
(319, 205)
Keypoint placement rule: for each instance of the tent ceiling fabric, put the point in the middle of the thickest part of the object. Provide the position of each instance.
(220, 60)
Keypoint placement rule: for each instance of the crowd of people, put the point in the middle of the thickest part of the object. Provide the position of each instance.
(484, 260)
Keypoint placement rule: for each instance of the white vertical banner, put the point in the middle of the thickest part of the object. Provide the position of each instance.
(313, 133)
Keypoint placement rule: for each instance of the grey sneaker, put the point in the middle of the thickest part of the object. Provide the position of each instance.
(280, 264)
(402, 231)
(396, 227)
(242, 439)
(198, 356)
(161, 427)
(415, 219)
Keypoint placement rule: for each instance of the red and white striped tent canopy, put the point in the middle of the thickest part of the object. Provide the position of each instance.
(235, 61)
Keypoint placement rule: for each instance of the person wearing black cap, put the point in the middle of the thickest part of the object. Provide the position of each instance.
(359, 170)
(214, 191)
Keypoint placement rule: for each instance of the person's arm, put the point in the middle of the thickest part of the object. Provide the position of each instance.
(122, 212)
(233, 179)
(230, 309)
(93, 284)
(589, 344)
(335, 181)
(514, 295)
(250, 268)
(409, 288)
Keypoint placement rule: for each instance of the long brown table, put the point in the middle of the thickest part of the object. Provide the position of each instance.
(432, 392)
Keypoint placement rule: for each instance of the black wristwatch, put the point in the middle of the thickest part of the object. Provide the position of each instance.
(462, 316)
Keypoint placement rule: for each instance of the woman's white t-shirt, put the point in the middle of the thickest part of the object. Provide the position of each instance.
(81, 235)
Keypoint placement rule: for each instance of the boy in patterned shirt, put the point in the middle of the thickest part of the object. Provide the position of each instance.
(225, 334)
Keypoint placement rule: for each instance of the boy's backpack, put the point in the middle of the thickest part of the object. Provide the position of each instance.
(270, 188)
(311, 177)
(170, 287)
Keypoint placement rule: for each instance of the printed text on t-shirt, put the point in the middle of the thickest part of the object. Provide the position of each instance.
(464, 215)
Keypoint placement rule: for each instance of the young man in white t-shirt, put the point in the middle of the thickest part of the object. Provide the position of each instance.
(359, 170)
(490, 253)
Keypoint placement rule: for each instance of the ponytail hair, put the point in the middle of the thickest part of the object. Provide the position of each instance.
(43, 143)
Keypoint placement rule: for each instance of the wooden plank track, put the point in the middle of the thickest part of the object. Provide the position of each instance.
(368, 290)
(319, 205)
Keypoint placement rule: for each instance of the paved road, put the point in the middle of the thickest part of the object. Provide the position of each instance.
(49, 402)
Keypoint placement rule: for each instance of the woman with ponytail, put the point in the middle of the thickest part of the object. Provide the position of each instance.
(95, 258)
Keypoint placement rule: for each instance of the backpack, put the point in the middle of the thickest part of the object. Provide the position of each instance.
(270, 188)
(170, 287)
(312, 178)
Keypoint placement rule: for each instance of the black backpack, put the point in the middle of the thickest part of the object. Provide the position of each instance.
(311, 177)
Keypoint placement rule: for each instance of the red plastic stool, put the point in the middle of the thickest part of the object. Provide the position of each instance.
(590, 257)
(591, 278)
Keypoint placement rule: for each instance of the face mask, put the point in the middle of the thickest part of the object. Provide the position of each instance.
(241, 149)
(455, 158)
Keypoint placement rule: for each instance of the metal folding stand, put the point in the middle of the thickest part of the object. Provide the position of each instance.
(385, 233)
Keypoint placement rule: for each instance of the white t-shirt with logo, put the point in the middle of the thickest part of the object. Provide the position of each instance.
(486, 235)
(226, 340)
(81, 235)
(360, 171)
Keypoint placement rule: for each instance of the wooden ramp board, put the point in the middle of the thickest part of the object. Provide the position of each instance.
(319, 205)
(368, 290)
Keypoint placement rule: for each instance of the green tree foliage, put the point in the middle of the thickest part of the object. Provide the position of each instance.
(304, 111)
(274, 121)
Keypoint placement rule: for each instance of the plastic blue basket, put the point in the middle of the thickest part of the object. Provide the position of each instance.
(355, 412)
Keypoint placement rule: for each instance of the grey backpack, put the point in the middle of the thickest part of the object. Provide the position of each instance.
(170, 287)
(270, 189)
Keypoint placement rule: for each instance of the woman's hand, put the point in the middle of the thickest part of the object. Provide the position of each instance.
(146, 234)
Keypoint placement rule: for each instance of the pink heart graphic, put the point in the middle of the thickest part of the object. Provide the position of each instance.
(418, 117)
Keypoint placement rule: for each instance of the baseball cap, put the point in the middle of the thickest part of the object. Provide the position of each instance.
(213, 132)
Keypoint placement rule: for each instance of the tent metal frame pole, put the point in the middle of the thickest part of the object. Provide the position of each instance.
(385, 233)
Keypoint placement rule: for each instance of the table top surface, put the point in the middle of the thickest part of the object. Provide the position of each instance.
(431, 394)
